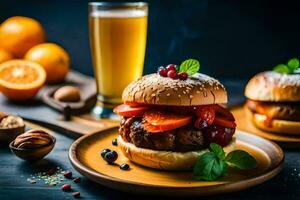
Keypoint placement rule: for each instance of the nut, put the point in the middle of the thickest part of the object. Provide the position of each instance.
(11, 121)
(2, 115)
(67, 94)
(33, 139)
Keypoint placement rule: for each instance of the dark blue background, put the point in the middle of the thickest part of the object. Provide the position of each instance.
(232, 39)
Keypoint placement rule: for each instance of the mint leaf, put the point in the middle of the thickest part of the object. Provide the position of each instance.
(282, 68)
(240, 159)
(293, 64)
(190, 66)
(218, 150)
(209, 167)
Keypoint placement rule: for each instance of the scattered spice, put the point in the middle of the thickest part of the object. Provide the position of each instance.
(66, 187)
(50, 172)
(68, 175)
(76, 194)
(56, 176)
(77, 180)
(32, 181)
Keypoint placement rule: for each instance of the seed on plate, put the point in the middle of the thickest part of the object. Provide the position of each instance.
(76, 194)
(111, 157)
(104, 151)
(77, 180)
(66, 187)
(114, 142)
(124, 166)
(68, 175)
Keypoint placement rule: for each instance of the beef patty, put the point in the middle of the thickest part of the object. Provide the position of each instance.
(276, 110)
(183, 139)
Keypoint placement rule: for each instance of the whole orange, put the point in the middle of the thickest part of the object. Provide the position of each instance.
(5, 55)
(18, 34)
(53, 58)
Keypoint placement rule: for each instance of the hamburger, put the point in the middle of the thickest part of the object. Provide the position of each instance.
(167, 123)
(273, 103)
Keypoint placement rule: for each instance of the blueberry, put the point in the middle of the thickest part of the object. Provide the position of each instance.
(111, 157)
(114, 142)
(124, 166)
(104, 151)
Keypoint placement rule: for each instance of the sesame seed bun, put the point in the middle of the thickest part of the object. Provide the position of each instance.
(165, 160)
(198, 89)
(273, 86)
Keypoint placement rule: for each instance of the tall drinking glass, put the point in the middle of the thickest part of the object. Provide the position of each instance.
(118, 33)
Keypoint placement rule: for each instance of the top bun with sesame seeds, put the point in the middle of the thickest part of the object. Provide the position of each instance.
(274, 87)
(198, 89)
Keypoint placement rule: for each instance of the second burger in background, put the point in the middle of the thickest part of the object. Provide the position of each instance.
(274, 99)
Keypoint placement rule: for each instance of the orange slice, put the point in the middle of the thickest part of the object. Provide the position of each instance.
(20, 79)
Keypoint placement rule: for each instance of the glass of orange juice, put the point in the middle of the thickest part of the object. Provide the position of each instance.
(118, 34)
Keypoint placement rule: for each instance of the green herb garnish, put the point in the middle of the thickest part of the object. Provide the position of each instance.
(213, 164)
(190, 66)
(289, 68)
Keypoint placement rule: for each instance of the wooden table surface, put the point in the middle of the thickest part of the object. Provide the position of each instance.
(14, 173)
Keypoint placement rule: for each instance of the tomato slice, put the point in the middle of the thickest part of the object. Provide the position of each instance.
(160, 121)
(129, 111)
(150, 128)
(224, 122)
(134, 104)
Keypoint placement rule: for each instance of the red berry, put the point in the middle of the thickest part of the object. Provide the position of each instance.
(206, 113)
(68, 174)
(66, 187)
(183, 75)
(172, 74)
(162, 71)
(219, 134)
(171, 67)
(77, 180)
(200, 123)
(76, 194)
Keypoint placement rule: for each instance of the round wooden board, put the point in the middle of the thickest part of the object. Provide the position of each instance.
(284, 140)
(84, 155)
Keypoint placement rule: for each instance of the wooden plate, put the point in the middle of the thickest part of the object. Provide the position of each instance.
(284, 140)
(84, 155)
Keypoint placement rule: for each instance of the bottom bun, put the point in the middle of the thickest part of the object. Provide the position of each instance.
(275, 125)
(165, 160)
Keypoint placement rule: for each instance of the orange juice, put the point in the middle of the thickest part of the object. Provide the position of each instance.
(118, 43)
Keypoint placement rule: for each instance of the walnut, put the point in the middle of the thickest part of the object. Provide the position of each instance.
(33, 139)
(11, 121)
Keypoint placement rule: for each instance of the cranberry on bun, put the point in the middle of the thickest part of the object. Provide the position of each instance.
(167, 123)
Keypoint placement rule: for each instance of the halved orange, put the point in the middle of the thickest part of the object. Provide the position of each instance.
(21, 79)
